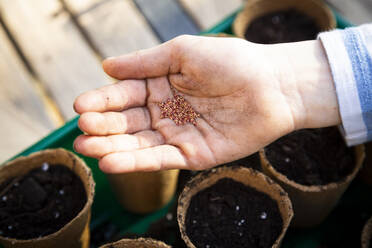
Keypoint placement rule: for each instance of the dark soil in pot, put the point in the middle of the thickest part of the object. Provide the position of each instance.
(282, 26)
(231, 214)
(312, 156)
(40, 202)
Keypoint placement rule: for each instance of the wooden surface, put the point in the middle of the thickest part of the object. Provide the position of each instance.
(23, 117)
(167, 18)
(207, 13)
(115, 27)
(61, 58)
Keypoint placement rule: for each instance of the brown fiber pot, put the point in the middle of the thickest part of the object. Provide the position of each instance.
(367, 234)
(247, 176)
(144, 192)
(312, 204)
(136, 243)
(316, 9)
(74, 234)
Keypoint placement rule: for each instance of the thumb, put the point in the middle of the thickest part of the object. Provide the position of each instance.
(153, 62)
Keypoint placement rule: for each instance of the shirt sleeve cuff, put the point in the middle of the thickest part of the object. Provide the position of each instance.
(353, 126)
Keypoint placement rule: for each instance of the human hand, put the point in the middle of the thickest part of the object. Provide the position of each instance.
(247, 95)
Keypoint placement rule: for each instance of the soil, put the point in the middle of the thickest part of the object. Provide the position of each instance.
(312, 156)
(40, 202)
(230, 214)
(282, 26)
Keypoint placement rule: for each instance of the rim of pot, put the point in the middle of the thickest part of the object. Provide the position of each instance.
(367, 234)
(89, 187)
(140, 241)
(359, 154)
(236, 173)
(328, 16)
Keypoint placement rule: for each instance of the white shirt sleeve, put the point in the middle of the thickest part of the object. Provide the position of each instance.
(349, 54)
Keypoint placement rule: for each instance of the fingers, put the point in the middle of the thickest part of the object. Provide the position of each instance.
(99, 146)
(148, 159)
(114, 97)
(108, 123)
(154, 62)
(159, 89)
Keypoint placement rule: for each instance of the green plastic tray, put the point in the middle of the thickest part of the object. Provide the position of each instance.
(341, 227)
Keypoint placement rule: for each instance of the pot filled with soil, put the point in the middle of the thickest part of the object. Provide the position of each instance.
(136, 243)
(270, 21)
(233, 207)
(367, 234)
(315, 167)
(46, 199)
(144, 192)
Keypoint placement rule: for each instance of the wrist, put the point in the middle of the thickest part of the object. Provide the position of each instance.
(306, 82)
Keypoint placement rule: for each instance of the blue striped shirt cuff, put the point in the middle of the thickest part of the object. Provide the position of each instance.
(349, 54)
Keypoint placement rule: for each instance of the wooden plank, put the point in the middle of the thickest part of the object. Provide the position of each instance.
(207, 13)
(23, 116)
(54, 48)
(115, 26)
(167, 18)
(18, 131)
(356, 11)
(16, 89)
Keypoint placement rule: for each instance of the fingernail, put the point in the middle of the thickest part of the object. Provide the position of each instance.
(75, 146)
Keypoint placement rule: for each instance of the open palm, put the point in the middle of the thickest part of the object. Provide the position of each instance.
(231, 83)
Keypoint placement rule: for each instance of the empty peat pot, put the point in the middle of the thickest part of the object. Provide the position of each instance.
(46, 199)
(136, 243)
(314, 167)
(233, 207)
(272, 21)
(367, 234)
(144, 192)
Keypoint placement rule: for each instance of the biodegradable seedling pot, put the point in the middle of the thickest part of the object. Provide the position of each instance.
(136, 243)
(312, 204)
(367, 234)
(144, 192)
(75, 233)
(248, 179)
(253, 9)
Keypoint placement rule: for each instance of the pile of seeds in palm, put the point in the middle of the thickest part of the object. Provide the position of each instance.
(178, 110)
